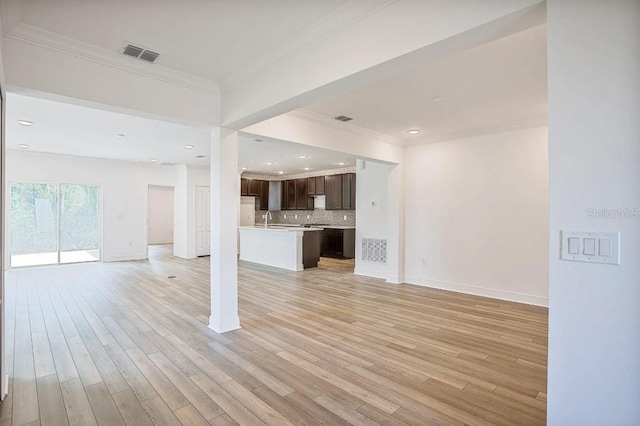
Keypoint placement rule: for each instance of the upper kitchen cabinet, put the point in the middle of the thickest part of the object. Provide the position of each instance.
(315, 185)
(333, 192)
(340, 191)
(349, 191)
(289, 199)
(244, 186)
(264, 195)
(295, 195)
(303, 201)
(254, 187)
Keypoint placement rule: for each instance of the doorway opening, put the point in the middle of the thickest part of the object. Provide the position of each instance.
(52, 223)
(160, 219)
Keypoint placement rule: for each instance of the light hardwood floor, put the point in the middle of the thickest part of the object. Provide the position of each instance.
(121, 343)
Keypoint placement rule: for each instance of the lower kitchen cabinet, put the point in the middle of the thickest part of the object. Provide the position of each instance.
(338, 243)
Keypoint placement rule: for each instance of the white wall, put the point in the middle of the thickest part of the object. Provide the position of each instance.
(476, 211)
(160, 215)
(594, 151)
(371, 221)
(124, 192)
(188, 177)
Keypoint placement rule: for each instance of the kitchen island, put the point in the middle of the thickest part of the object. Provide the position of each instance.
(292, 248)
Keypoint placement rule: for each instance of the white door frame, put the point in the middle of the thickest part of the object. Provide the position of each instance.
(203, 251)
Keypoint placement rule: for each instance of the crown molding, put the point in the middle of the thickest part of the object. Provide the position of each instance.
(278, 178)
(52, 41)
(339, 20)
(323, 120)
(481, 131)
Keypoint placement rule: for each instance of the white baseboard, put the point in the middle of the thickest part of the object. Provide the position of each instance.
(479, 291)
(123, 257)
(368, 273)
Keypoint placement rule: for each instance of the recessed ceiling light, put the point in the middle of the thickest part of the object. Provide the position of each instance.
(257, 140)
(23, 146)
(121, 135)
(152, 160)
(25, 123)
(413, 131)
(306, 168)
(341, 164)
(269, 163)
(280, 172)
(438, 98)
(303, 156)
(188, 146)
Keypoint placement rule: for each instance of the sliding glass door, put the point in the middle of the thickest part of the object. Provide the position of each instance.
(54, 223)
(80, 223)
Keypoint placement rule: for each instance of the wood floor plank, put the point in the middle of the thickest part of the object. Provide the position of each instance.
(189, 416)
(77, 404)
(159, 412)
(196, 397)
(131, 409)
(114, 343)
(103, 405)
(52, 409)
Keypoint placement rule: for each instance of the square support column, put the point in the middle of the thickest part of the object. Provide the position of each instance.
(225, 193)
(395, 241)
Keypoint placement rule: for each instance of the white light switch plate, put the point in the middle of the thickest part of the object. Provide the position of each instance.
(592, 247)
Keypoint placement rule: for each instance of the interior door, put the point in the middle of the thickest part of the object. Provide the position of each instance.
(203, 221)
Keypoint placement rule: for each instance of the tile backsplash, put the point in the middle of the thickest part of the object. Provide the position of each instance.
(328, 217)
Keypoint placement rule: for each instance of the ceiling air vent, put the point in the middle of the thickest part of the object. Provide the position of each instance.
(139, 52)
(343, 118)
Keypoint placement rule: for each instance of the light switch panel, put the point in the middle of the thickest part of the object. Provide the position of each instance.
(592, 247)
(589, 246)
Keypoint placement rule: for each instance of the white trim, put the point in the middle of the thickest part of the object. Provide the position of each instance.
(125, 257)
(279, 178)
(479, 291)
(323, 120)
(482, 130)
(52, 41)
(223, 325)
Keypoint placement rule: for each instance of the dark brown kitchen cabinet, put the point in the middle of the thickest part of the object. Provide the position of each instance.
(319, 185)
(333, 191)
(264, 195)
(338, 243)
(311, 186)
(244, 186)
(316, 185)
(289, 194)
(254, 187)
(303, 201)
(349, 191)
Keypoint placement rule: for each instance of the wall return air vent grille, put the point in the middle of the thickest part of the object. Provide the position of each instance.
(374, 250)
(139, 52)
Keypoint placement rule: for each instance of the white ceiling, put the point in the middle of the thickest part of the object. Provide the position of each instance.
(504, 81)
(208, 39)
(285, 156)
(61, 128)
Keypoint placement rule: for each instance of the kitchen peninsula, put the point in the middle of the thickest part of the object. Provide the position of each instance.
(288, 247)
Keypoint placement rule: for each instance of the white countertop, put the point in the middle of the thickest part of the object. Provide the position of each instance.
(279, 228)
(337, 227)
(293, 227)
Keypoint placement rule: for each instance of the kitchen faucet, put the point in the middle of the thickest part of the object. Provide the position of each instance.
(267, 216)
